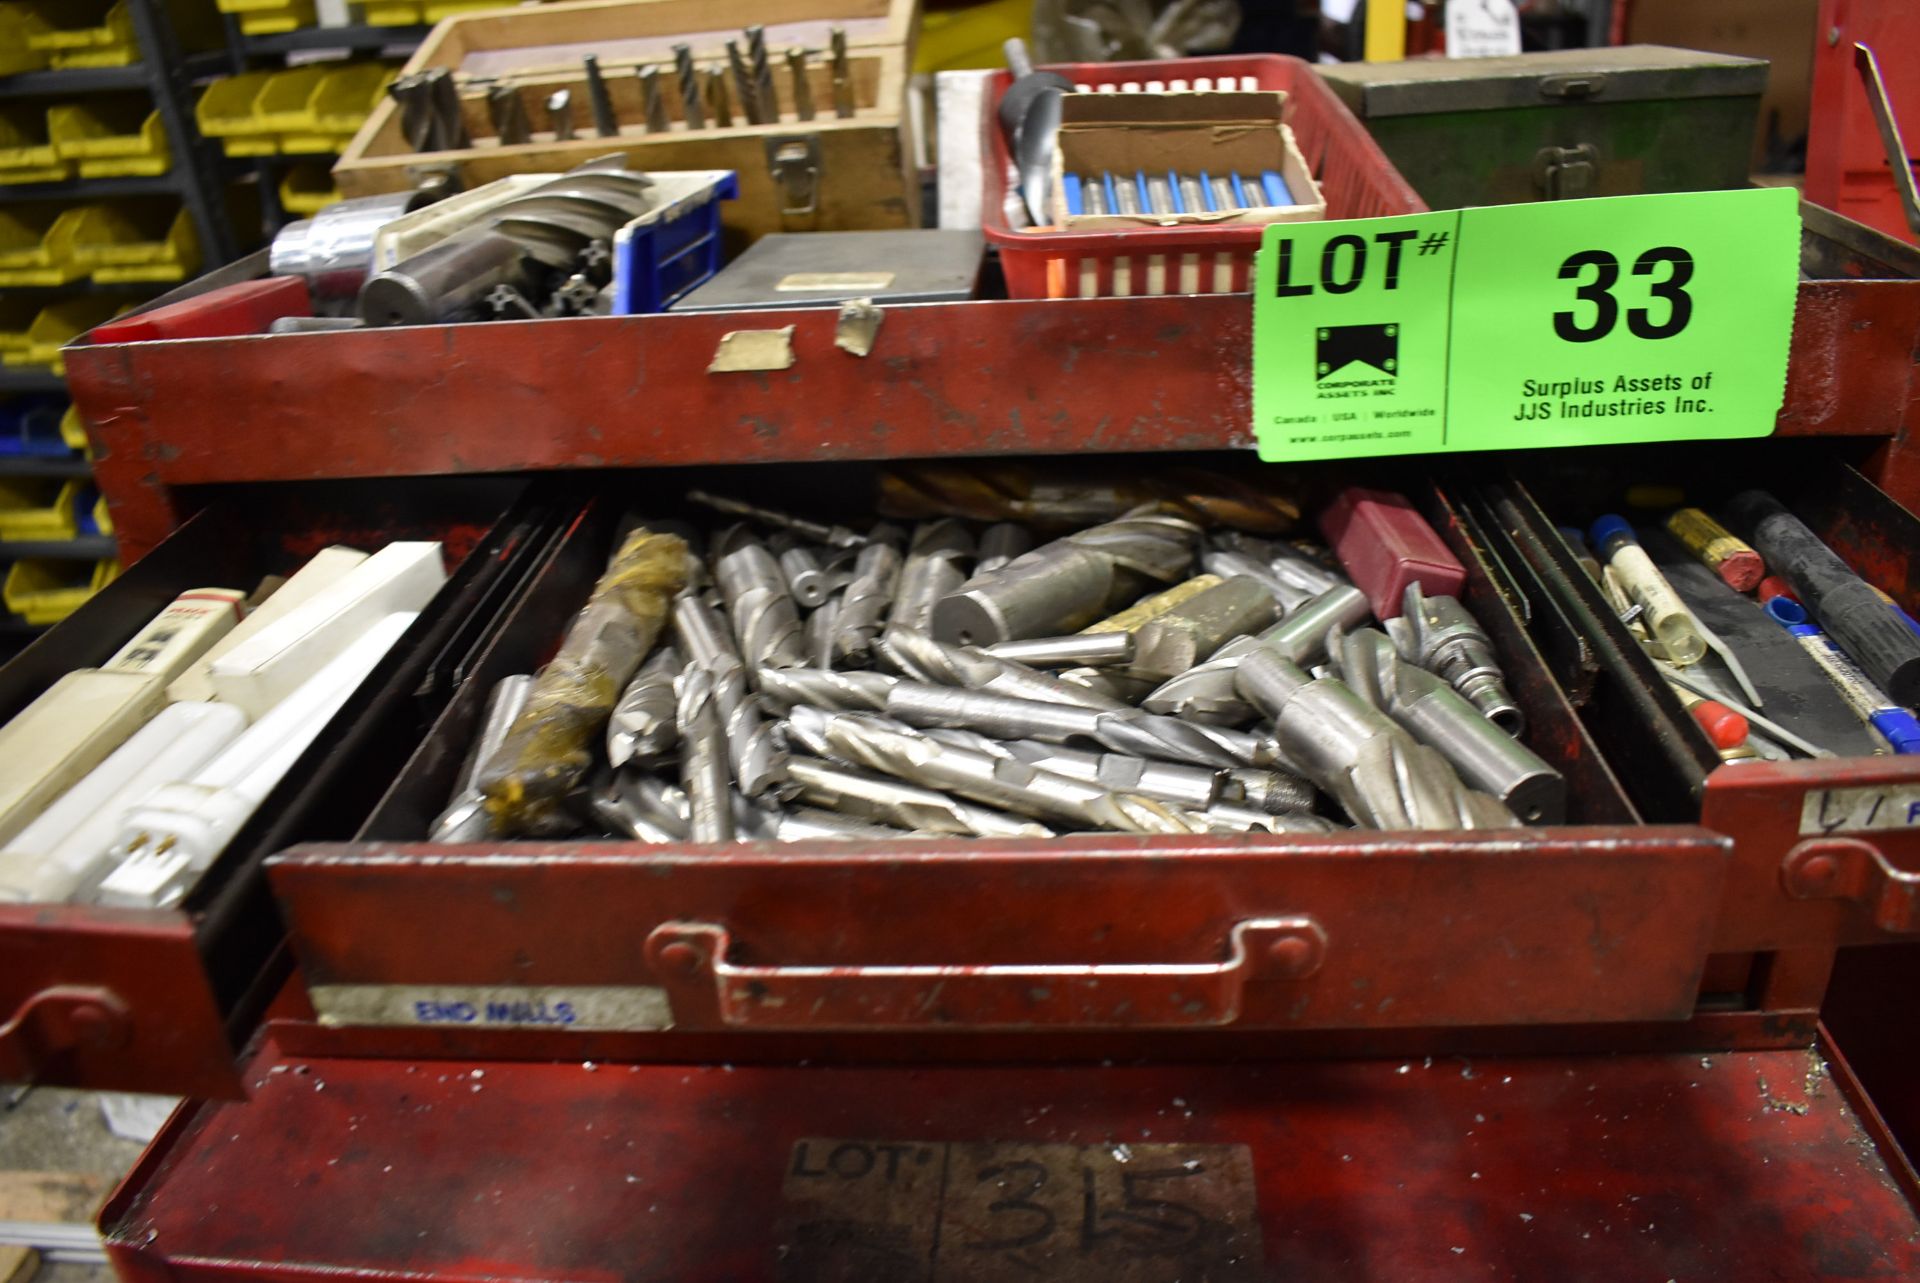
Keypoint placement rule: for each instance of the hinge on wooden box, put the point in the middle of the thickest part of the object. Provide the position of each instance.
(794, 162)
(1566, 172)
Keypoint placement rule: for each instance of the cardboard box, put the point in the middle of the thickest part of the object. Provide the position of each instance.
(1185, 133)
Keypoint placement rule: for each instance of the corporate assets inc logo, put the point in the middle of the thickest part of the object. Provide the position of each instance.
(1337, 347)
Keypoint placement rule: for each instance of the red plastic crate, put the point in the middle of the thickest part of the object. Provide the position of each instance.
(1355, 175)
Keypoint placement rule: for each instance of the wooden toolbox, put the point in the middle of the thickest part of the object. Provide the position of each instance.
(823, 174)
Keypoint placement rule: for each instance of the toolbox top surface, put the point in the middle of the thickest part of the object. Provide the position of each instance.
(1625, 73)
(1737, 1166)
(822, 269)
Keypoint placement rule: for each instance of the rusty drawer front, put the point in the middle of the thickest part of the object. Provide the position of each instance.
(161, 1000)
(1826, 852)
(1353, 931)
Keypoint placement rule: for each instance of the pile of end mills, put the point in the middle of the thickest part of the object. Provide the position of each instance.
(1138, 675)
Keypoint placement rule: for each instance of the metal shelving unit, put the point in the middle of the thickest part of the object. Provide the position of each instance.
(82, 548)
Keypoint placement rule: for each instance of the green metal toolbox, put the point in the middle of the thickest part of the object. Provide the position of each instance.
(1546, 126)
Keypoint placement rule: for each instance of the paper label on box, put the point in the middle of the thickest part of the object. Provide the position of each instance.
(1584, 322)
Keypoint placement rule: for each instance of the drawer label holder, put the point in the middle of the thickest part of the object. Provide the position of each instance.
(576, 1007)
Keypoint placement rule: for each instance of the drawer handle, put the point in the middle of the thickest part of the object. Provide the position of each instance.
(1849, 869)
(56, 1020)
(690, 960)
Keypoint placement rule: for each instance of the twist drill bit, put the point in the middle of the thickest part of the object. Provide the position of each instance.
(509, 115)
(655, 105)
(842, 74)
(823, 630)
(1441, 718)
(466, 819)
(751, 750)
(802, 89)
(830, 689)
(560, 114)
(762, 72)
(1128, 731)
(920, 656)
(764, 617)
(1014, 785)
(1063, 652)
(1066, 584)
(744, 86)
(1206, 692)
(605, 123)
(876, 575)
(1378, 773)
(643, 724)
(888, 801)
(934, 566)
(715, 79)
(1447, 640)
(690, 105)
(703, 759)
(803, 823)
(1000, 543)
(814, 531)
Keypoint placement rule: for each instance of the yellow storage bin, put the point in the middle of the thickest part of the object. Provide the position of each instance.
(434, 10)
(102, 519)
(18, 22)
(393, 13)
(307, 189)
(339, 105)
(38, 507)
(110, 140)
(59, 324)
(36, 245)
(136, 241)
(272, 21)
(72, 430)
(285, 105)
(24, 142)
(45, 590)
(225, 111)
(110, 44)
(16, 318)
(55, 173)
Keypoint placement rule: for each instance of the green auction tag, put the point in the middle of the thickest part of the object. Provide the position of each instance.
(1578, 322)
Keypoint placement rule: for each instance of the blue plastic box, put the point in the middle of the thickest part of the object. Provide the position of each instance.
(670, 249)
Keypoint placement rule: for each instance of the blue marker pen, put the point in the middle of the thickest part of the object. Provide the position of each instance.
(1276, 187)
(1239, 192)
(1206, 193)
(1173, 190)
(1868, 701)
(1113, 197)
(1070, 185)
(1146, 197)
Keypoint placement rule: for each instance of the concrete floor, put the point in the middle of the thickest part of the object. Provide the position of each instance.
(53, 1130)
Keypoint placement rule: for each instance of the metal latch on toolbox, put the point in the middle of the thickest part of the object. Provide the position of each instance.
(794, 162)
(1566, 172)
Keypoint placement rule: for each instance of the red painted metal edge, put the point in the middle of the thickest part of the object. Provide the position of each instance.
(1741, 1166)
(1097, 932)
(1108, 375)
(110, 999)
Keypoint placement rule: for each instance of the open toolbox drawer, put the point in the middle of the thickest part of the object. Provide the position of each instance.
(1826, 851)
(603, 949)
(161, 1000)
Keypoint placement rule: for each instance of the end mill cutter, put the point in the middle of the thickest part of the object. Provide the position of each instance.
(690, 105)
(1206, 692)
(1378, 773)
(1446, 639)
(1441, 718)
